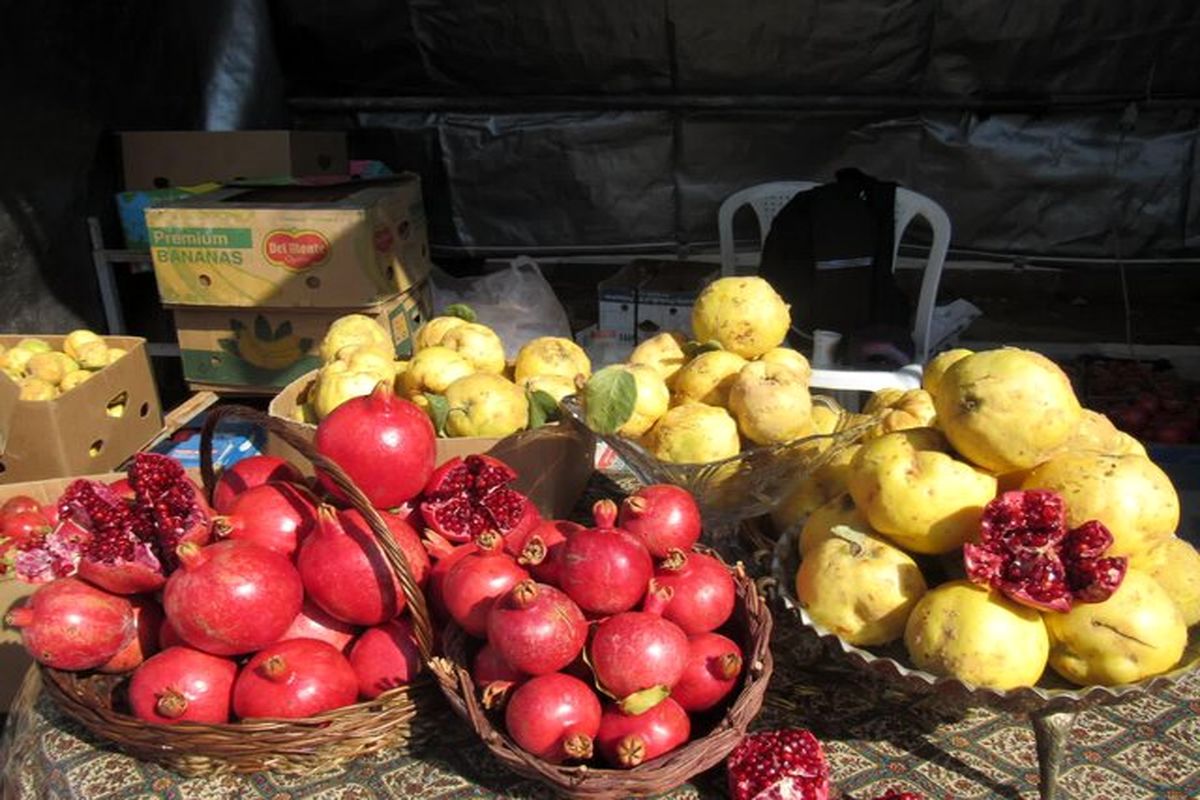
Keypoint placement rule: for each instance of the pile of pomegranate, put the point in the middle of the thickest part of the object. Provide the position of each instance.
(608, 644)
(275, 600)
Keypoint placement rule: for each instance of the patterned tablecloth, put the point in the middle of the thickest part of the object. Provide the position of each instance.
(1145, 748)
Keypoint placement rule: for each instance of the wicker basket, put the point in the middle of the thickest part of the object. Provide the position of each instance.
(751, 628)
(393, 720)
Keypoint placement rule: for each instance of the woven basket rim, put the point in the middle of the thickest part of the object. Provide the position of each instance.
(657, 775)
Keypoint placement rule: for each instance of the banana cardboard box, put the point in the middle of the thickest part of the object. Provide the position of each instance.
(91, 428)
(334, 245)
(261, 350)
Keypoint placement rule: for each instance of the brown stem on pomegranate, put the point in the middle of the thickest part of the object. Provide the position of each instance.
(525, 593)
(604, 512)
(635, 505)
(855, 538)
(489, 541)
(631, 750)
(221, 527)
(275, 669)
(534, 552)
(658, 597)
(495, 694)
(578, 745)
(190, 555)
(728, 665)
(676, 560)
(19, 617)
(171, 704)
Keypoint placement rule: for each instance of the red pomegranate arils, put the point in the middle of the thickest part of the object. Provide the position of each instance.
(1026, 552)
(778, 764)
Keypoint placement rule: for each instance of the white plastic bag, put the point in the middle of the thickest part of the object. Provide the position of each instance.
(517, 303)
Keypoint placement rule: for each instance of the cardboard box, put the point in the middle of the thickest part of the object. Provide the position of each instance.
(75, 434)
(261, 350)
(553, 463)
(161, 159)
(647, 297)
(132, 205)
(333, 246)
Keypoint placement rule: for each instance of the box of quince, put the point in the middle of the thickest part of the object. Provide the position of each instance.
(73, 405)
(477, 401)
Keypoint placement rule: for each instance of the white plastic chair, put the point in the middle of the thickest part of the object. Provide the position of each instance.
(767, 199)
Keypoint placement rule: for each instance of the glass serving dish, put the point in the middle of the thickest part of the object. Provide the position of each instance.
(748, 484)
(1051, 705)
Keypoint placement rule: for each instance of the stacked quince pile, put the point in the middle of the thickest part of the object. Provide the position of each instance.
(734, 387)
(458, 374)
(44, 373)
(996, 526)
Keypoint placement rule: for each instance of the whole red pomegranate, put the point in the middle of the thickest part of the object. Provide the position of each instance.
(181, 684)
(1026, 551)
(784, 764)
(663, 516)
(22, 526)
(19, 504)
(403, 535)
(540, 549)
(626, 740)
(346, 573)
(445, 555)
(232, 597)
(477, 580)
(248, 473)
(638, 657)
(494, 676)
(693, 590)
(70, 625)
(554, 716)
(296, 678)
(275, 515)
(604, 569)
(314, 623)
(124, 548)
(536, 628)
(385, 444)
(147, 620)
(385, 657)
(714, 664)
(467, 497)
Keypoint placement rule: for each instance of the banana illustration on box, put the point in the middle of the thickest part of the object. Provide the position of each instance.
(265, 348)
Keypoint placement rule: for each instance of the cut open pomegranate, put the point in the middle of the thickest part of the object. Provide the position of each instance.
(1026, 552)
(467, 497)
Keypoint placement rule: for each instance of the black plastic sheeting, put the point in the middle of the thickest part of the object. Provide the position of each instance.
(577, 127)
(1063, 127)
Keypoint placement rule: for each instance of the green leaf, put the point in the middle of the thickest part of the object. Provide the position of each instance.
(230, 346)
(692, 348)
(543, 407)
(439, 409)
(283, 331)
(609, 399)
(460, 310)
(262, 328)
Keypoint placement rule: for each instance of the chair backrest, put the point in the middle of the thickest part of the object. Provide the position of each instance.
(767, 199)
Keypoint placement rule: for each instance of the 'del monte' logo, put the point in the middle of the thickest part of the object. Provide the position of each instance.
(295, 250)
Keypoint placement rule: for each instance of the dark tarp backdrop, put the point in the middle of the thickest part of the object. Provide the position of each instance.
(1064, 128)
